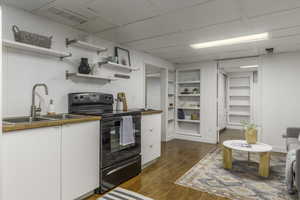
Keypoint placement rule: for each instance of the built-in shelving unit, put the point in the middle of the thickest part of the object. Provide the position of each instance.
(188, 103)
(89, 76)
(118, 66)
(85, 45)
(239, 100)
(171, 103)
(36, 49)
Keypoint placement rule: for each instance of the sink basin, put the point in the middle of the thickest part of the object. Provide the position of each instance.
(17, 120)
(63, 116)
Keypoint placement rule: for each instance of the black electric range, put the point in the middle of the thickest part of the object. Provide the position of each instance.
(118, 163)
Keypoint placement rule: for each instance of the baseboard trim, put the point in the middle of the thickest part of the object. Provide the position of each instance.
(195, 139)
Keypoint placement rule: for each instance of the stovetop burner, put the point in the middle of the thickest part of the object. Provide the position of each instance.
(99, 104)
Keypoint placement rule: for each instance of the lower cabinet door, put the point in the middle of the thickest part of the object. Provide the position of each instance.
(80, 159)
(31, 164)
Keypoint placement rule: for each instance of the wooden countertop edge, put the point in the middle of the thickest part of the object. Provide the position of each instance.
(151, 112)
(19, 127)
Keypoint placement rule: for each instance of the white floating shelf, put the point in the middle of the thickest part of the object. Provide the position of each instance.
(188, 121)
(239, 113)
(35, 49)
(85, 45)
(89, 76)
(116, 65)
(246, 105)
(240, 86)
(241, 95)
(189, 95)
(188, 82)
(189, 108)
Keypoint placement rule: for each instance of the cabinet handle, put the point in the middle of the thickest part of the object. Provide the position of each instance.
(151, 146)
(151, 129)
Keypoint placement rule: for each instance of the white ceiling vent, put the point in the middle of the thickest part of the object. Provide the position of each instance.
(68, 15)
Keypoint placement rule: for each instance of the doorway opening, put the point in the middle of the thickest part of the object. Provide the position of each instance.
(238, 98)
(156, 93)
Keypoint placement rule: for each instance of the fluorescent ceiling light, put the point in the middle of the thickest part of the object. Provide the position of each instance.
(236, 40)
(248, 66)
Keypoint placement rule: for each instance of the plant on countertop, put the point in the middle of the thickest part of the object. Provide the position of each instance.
(250, 132)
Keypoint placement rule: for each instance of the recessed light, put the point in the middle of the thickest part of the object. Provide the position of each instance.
(231, 41)
(248, 66)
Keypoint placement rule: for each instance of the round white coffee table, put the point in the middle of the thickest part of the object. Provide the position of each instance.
(241, 145)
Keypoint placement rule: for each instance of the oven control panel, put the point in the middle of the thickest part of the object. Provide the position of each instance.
(90, 98)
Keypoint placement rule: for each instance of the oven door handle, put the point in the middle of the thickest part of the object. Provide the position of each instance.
(119, 168)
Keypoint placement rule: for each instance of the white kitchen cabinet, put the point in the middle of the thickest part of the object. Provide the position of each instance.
(151, 137)
(31, 164)
(80, 159)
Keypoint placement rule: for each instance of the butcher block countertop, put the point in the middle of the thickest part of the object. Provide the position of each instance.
(40, 124)
(151, 112)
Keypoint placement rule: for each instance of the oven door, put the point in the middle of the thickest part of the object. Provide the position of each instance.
(112, 151)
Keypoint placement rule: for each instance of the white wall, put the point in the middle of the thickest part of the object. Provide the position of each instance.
(154, 93)
(208, 104)
(281, 96)
(22, 69)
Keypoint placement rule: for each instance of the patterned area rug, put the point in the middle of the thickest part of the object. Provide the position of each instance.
(122, 194)
(240, 183)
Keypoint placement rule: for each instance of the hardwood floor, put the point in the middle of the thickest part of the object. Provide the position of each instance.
(157, 180)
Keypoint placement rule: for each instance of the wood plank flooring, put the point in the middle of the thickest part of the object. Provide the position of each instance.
(178, 156)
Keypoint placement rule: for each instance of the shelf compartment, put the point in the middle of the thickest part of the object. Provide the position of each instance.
(188, 82)
(189, 95)
(239, 113)
(89, 76)
(85, 45)
(189, 108)
(116, 65)
(35, 49)
(188, 121)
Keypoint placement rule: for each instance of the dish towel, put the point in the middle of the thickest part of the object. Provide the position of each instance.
(126, 131)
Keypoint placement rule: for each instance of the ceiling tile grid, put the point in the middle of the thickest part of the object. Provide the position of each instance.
(166, 28)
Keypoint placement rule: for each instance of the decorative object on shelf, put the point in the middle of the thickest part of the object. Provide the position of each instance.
(196, 91)
(185, 91)
(113, 59)
(122, 76)
(171, 104)
(180, 114)
(94, 70)
(195, 117)
(31, 38)
(250, 132)
(84, 67)
(121, 98)
(123, 56)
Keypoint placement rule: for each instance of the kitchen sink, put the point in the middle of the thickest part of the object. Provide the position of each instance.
(17, 120)
(63, 116)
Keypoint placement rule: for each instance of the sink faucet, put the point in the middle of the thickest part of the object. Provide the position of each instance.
(34, 110)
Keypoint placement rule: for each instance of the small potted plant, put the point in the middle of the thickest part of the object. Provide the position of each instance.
(250, 132)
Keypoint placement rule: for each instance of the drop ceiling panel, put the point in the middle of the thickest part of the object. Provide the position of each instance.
(263, 7)
(222, 31)
(214, 12)
(171, 5)
(276, 20)
(27, 4)
(123, 11)
(95, 25)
